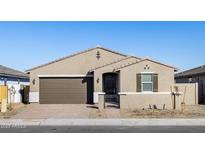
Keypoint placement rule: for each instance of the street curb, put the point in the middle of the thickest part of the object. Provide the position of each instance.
(20, 122)
(102, 122)
(124, 122)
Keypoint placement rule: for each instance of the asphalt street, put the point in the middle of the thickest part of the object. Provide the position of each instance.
(103, 129)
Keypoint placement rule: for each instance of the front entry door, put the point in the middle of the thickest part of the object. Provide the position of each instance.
(110, 87)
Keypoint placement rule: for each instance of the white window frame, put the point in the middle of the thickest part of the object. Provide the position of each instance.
(147, 73)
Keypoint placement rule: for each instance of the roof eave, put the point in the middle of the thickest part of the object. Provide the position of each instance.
(113, 62)
(175, 69)
(188, 75)
(15, 76)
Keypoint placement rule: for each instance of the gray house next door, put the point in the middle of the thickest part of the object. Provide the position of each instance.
(66, 90)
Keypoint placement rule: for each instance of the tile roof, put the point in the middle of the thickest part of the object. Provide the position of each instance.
(129, 64)
(195, 71)
(75, 54)
(6, 71)
(125, 65)
(99, 47)
(113, 62)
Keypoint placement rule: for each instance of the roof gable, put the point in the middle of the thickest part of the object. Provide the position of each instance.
(130, 64)
(106, 64)
(75, 54)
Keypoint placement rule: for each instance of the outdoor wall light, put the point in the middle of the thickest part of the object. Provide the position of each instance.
(33, 81)
(98, 80)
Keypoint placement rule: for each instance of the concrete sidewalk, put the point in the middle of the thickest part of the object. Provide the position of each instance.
(102, 122)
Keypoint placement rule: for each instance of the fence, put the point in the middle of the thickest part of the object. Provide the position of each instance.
(189, 93)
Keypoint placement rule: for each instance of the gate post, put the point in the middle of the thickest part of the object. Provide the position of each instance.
(101, 102)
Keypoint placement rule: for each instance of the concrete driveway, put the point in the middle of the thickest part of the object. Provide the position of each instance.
(38, 111)
(80, 111)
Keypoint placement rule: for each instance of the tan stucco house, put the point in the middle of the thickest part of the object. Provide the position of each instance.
(101, 75)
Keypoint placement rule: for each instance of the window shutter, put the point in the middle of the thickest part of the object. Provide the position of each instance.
(139, 83)
(155, 82)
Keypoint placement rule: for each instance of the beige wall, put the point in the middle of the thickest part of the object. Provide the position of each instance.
(131, 99)
(128, 84)
(128, 76)
(189, 93)
(98, 74)
(143, 101)
(76, 65)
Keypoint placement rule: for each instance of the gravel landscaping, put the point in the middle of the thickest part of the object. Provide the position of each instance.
(194, 111)
(160, 114)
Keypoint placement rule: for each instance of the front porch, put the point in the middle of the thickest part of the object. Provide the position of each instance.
(109, 84)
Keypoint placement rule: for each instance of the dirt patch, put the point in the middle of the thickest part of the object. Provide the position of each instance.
(16, 108)
(187, 112)
(194, 111)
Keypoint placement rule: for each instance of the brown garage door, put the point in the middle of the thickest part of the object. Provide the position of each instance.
(66, 90)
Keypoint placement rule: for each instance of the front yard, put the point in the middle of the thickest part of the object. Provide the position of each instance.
(16, 108)
(36, 111)
(189, 112)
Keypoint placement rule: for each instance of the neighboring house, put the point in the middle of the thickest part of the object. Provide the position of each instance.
(195, 75)
(100, 74)
(10, 77)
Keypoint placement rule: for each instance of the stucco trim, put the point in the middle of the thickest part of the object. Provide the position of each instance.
(96, 96)
(34, 97)
(62, 76)
(147, 72)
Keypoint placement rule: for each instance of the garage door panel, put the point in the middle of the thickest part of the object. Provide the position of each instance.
(66, 90)
(62, 101)
(63, 96)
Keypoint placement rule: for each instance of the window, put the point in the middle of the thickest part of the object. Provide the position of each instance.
(147, 82)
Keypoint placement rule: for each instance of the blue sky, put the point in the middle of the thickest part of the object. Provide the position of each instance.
(24, 45)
